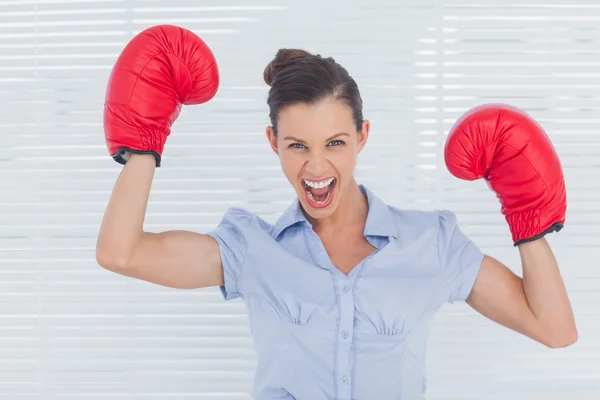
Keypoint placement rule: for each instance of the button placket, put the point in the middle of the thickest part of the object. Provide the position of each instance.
(345, 331)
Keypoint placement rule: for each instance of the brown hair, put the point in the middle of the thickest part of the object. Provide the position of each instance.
(297, 76)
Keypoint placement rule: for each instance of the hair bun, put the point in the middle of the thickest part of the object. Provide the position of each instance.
(283, 58)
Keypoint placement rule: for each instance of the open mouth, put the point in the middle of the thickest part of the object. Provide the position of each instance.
(319, 193)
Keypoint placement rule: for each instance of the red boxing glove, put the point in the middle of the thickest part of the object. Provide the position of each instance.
(160, 69)
(508, 149)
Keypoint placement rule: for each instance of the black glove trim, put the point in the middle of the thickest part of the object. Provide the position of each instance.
(119, 155)
(557, 226)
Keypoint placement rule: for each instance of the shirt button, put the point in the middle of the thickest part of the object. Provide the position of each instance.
(345, 334)
(345, 288)
(344, 380)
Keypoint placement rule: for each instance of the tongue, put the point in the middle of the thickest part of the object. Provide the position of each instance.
(320, 191)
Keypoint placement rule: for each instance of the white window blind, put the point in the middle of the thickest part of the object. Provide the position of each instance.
(71, 330)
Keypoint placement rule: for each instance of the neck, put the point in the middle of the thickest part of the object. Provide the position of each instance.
(351, 213)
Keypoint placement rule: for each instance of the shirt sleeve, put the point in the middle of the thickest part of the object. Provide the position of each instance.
(232, 236)
(460, 257)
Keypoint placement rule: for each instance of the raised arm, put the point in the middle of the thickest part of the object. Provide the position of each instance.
(512, 152)
(159, 70)
(178, 259)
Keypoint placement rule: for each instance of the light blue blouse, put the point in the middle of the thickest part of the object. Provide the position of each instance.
(320, 334)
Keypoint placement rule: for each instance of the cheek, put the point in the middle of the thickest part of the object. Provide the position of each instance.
(291, 164)
(343, 161)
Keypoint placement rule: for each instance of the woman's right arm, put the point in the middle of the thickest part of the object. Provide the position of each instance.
(159, 70)
(178, 259)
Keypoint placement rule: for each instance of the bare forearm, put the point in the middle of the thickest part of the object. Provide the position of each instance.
(124, 216)
(546, 293)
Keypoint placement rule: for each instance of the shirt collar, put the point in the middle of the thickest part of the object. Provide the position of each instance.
(379, 219)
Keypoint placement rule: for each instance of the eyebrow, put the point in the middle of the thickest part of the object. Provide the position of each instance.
(327, 140)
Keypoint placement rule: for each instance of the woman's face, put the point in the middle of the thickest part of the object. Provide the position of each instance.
(317, 145)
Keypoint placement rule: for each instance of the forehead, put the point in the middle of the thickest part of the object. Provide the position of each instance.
(315, 120)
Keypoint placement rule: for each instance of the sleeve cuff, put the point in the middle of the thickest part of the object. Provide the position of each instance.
(229, 290)
(471, 261)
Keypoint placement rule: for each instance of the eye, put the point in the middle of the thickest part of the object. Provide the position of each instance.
(337, 143)
(296, 146)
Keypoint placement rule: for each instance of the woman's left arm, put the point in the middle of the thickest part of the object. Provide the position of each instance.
(536, 305)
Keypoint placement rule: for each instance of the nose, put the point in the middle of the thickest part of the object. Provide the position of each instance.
(316, 165)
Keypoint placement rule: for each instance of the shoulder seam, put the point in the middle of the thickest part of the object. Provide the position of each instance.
(243, 264)
(441, 266)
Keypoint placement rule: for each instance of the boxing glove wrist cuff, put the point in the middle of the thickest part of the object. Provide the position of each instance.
(129, 132)
(122, 155)
(527, 226)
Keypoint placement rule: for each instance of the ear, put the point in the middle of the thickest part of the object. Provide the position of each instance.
(363, 135)
(272, 139)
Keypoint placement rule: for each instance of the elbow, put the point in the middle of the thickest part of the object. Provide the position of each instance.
(113, 252)
(109, 261)
(562, 338)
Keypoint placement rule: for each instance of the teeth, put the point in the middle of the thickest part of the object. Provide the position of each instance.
(318, 185)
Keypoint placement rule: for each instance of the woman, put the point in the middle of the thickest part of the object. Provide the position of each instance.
(340, 291)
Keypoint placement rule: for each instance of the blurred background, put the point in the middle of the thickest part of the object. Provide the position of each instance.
(72, 330)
